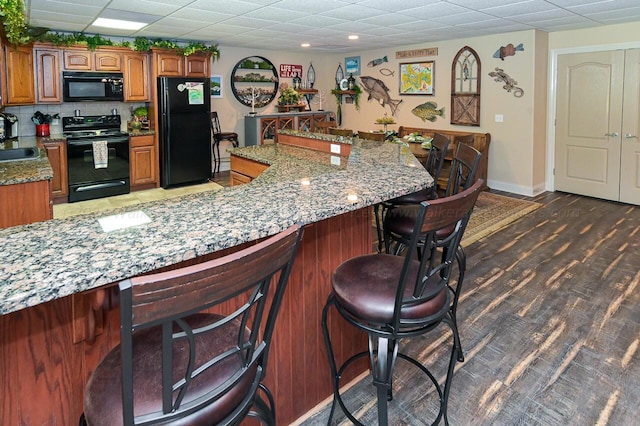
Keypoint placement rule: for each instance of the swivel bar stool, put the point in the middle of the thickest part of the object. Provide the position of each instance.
(435, 160)
(179, 363)
(392, 297)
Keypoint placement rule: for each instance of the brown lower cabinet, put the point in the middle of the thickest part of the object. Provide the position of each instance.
(143, 162)
(57, 154)
(244, 170)
(30, 202)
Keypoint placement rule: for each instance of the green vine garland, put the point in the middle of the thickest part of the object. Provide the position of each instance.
(339, 94)
(18, 33)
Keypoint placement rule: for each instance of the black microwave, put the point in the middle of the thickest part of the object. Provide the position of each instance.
(92, 86)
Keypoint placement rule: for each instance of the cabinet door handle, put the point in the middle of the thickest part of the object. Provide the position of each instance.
(630, 136)
(614, 134)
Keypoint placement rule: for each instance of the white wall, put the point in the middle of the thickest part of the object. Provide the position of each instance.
(510, 153)
(518, 155)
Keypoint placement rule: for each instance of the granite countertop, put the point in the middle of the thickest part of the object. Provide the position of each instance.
(24, 171)
(52, 259)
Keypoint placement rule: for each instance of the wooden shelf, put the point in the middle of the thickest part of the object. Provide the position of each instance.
(307, 91)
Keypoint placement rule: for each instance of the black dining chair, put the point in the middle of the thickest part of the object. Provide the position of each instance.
(217, 136)
(400, 297)
(187, 355)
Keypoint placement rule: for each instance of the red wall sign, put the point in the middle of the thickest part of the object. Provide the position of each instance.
(288, 70)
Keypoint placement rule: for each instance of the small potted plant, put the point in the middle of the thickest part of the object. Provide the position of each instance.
(288, 99)
(140, 118)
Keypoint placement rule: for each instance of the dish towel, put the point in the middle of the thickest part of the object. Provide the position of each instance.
(100, 154)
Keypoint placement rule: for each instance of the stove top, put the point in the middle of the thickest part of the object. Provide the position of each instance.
(91, 123)
(92, 126)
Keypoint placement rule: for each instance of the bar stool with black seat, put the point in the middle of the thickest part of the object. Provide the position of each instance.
(179, 365)
(340, 132)
(392, 297)
(217, 136)
(372, 136)
(435, 160)
(398, 222)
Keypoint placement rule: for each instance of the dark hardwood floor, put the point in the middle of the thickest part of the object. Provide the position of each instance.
(550, 324)
(549, 320)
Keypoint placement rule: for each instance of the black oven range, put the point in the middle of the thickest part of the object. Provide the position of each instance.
(97, 156)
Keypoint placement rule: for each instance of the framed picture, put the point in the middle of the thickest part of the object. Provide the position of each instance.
(352, 65)
(417, 78)
(216, 86)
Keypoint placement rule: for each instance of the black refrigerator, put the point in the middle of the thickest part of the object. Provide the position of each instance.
(184, 118)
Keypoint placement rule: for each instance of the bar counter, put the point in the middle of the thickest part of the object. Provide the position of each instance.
(58, 307)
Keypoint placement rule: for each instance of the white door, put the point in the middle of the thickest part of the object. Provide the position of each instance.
(597, 114)
(630, 163)
(588, 116)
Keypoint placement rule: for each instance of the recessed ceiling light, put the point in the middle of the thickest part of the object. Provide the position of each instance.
(305, 45)
(353, 37)
(118, 23)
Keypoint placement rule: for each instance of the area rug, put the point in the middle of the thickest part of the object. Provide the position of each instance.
(492, 213)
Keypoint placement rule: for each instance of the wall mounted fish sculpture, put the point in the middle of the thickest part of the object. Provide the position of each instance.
(428, 111)
(376, 62)
(379, 91)
(508, 50)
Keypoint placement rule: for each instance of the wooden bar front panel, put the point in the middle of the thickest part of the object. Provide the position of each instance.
(44, 373)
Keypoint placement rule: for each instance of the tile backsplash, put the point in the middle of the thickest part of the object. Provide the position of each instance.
(27, 128)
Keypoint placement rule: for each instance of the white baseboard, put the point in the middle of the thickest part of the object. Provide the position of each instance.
(516, 189)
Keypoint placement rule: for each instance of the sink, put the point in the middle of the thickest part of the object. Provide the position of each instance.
(17, 154)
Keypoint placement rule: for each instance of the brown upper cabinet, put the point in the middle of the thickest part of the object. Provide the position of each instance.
(108, 61)
(167, 63)
(48, 75)
(136, 77)
(81, 59)
(19, 88)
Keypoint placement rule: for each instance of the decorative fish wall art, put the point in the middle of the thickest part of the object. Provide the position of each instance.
(379, 91)
(508, 50)
(376, 62)
(428, 111)
(509, 84)
(387, 72)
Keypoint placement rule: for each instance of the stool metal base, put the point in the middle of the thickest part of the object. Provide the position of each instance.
(382, 361)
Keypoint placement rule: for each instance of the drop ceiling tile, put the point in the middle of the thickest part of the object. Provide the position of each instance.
(310, 7)
(352, 13)
(60, 17)
(235, 7)
(392, 6)
(157, 7)
(615, 14)
(463, 18)
(604, 6)
(540, 16)
(523, 8)
(275, 14)
(318, 21)
(198, 15)
(434, 11)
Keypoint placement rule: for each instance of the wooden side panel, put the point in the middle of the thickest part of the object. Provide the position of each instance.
(30, 202)
(44, 373)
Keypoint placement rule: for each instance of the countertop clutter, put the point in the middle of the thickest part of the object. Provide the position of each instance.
(48, 260)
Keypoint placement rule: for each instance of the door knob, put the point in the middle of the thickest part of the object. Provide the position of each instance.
(629, 136)
(614, 134)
